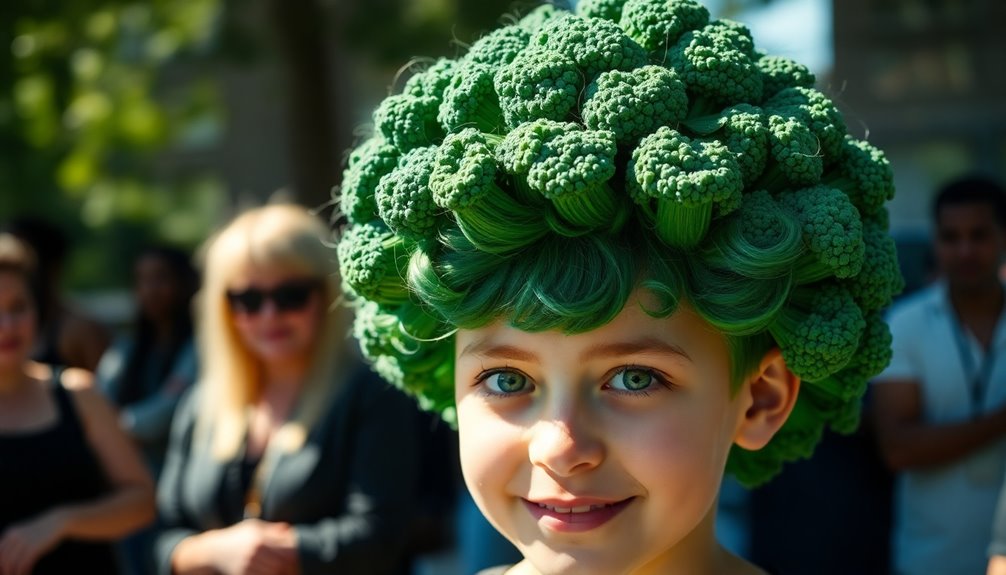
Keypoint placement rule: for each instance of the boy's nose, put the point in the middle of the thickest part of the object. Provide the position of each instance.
(565, 447)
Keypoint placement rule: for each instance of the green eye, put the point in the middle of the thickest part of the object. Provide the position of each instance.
(506, 382)
(632, 379)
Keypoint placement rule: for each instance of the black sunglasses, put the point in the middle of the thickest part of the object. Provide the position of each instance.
(287, 296)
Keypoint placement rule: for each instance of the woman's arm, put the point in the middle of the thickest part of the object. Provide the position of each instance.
(128, 507)
(369, 537)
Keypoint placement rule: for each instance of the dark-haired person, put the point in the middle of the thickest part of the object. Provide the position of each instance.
(941, 404)
(70, 479)
(287, 456)
(146, 371)
(67, 337)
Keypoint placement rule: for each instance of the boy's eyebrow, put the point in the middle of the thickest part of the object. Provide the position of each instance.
(485, 349)
(648, 345)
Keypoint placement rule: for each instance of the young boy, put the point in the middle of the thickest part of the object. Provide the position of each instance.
(624, 252)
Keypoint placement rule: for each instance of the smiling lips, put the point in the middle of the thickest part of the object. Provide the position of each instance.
(575, 516)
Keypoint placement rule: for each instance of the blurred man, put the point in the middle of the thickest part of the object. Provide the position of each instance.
(941, 404)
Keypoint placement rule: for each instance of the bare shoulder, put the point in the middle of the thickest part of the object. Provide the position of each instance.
(94, 409)
(77, 380)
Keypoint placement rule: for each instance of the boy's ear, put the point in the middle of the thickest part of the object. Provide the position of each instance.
(771, 394)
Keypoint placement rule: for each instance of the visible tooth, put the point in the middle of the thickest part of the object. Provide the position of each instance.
(561, 509)
(581, 509)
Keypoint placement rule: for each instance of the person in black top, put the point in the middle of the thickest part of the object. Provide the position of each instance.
(71, 480)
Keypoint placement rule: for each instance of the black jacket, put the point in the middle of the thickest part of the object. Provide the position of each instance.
(347, 491)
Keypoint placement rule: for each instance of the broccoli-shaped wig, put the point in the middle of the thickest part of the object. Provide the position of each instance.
(568, 160)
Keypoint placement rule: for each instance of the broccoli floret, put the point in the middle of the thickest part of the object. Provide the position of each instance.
(763, 223)
(794, 155)
(656, 24)
(368, 163)
(605, 9)
(573, 170)
(372, 259)
(538, 84)
(871, 357)
(716, 64)
(816, 111)
(681, 184)
(409, 121)
(864, 174)
(736, 34)
(538, 17)
(375, 329)
(381, 330)
(634, 104)
(427, 374)
(761, 240)
(779, 73)
(498, 47)
(464, 181)
(880, 278)
(522, 146)
(594, 45)
(832, 231)
(760, 219)
(404, 200)
(470, 100)
(819, 330)
(432, 81)
(742, 129)
(874, 351)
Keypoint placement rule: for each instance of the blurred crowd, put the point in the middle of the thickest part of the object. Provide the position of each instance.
(232, 427)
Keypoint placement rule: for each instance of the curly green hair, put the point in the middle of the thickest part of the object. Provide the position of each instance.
(551, 220)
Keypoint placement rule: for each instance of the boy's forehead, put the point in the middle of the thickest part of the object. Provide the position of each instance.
(632, 328)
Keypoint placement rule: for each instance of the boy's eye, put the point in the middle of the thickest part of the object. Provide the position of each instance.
(632, 379)
(506, 382)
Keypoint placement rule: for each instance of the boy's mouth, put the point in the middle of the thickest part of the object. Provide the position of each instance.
(575, 516)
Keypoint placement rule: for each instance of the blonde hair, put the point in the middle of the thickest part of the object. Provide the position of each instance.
(284, 236)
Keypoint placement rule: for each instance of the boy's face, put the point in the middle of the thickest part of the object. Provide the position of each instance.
(629, 426)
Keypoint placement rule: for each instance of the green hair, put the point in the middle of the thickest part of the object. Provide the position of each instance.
(481, 241)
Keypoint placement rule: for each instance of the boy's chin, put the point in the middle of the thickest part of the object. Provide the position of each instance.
(588, 560)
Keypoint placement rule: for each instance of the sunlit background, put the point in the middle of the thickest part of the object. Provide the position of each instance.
(129, 122)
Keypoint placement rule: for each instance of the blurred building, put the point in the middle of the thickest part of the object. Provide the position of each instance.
(922, 79)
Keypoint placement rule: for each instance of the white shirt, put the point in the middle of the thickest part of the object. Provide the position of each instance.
(943, 516)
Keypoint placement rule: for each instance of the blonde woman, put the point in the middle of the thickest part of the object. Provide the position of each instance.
(287, 456)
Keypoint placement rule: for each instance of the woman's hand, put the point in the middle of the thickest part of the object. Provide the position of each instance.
(255, 547)
(22, 544)
(251, 547)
